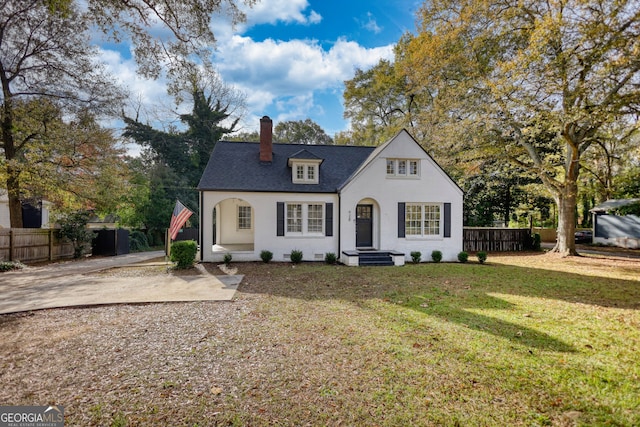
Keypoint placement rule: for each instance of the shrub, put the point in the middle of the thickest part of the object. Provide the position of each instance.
(463, 256)
(73, 227)
(138, 241)
(10, 265)
(416, 256)
(184, 253)
(296, 256)
(482, 257)
(436, 256)
(266, 256)
(330, 258)
(227, 258)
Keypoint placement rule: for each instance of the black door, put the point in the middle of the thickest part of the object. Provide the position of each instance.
(364, 226)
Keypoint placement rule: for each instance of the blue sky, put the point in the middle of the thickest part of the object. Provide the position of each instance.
(291, 57)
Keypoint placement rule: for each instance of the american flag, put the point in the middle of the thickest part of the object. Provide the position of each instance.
(180, 215)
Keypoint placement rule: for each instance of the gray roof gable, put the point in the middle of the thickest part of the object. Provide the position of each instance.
(236, 166)
(304, 155)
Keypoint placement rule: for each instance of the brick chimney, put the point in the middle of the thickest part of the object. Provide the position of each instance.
(266, 140)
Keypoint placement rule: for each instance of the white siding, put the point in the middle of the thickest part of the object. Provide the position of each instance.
(264, 210)
(432, 186)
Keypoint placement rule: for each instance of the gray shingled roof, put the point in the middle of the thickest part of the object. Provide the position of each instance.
(236, 166)
(304, 155)
(613, 204)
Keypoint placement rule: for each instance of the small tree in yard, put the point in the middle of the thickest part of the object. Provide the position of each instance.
(73, 227)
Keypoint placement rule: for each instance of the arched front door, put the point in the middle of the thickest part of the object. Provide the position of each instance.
(364, 226)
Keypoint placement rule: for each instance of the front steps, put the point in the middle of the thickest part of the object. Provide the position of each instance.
(372, 258)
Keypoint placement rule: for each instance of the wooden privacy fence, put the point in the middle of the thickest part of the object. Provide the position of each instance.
(496, 239)
(32, 245)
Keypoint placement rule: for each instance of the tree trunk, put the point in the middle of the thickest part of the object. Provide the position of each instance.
(13, 193)
(8, 145)
(566, 244)
(507, 207)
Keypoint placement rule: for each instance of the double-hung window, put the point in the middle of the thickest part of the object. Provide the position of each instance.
(423, 220)
(305, 218)
(294, 218)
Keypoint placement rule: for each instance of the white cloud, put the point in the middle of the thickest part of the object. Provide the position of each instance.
(314, 17)
(280, 76)
(286, 11)
(288, 68)
(371, 24)
(285, 74)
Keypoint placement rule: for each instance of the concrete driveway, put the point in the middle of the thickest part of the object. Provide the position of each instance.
(74, 283)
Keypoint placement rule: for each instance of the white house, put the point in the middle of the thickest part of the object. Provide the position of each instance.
(39, 213)
(364, 204)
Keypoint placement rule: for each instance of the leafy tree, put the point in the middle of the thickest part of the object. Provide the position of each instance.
(44, 54)
(495, 190)
(613, 153)
(187, 152)
(73, 162)
(133, 206)
(73, 227)
(537, 80)
(305, 132)
(244, 137)
(177, 159)
(379, 104)
(188, 23)
(290, 132)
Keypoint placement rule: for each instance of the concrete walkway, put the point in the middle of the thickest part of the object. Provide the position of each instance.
(74, 283)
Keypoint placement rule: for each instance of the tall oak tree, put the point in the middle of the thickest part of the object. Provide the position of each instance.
(538, 80)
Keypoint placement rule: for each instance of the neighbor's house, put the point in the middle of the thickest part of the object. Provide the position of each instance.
(35, 213)
(616, 230)
(356, 202)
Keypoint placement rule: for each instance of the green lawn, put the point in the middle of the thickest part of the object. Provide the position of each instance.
(522, 340)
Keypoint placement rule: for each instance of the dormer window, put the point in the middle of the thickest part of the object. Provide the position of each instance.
(305, 167)
(305, 173)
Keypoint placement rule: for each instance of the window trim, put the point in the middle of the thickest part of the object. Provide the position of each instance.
(305, 219)
(239, 218)
(423, 220)
(311, 172)
(394, 166)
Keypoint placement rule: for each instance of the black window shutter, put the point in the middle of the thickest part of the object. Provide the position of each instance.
(401, 230)
(280, 219)
(447, 220)
(328, 219)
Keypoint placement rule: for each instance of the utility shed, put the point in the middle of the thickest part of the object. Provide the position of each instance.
(613, 229)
